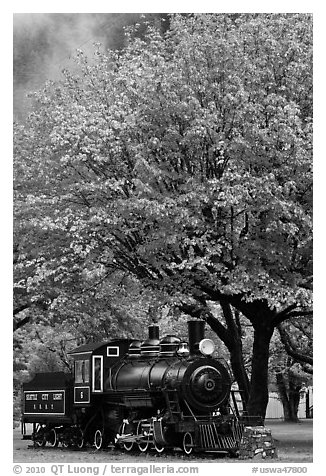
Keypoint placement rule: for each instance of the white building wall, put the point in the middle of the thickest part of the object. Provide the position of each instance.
(275, 407)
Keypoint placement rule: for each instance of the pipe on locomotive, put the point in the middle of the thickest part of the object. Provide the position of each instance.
(167, 346)
(153, 332)
(196, 333)
(197, 342)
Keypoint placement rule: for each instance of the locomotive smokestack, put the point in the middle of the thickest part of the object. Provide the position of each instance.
(153, 332)
(196, 332)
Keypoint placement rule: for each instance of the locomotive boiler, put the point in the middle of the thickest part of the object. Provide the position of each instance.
(160, 393)
(157, 368)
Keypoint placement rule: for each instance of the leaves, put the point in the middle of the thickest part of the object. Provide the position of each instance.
(185, 161)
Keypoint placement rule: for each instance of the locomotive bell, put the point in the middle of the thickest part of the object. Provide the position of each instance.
(183, 350)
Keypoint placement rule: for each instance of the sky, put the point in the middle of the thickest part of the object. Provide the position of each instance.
(45, 43)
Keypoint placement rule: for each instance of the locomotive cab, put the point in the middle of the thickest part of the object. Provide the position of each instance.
(91, 364)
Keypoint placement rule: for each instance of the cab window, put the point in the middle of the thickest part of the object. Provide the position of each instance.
(82, 371)
(98, 374)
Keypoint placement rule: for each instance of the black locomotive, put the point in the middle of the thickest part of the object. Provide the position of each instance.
(160, 393)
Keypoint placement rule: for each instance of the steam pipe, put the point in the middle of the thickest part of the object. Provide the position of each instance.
(196, 332)
(153, 332)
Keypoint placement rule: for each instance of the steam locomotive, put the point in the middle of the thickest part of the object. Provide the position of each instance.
(160, 393)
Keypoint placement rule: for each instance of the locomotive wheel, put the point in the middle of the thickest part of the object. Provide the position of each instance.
(66, 438)
(79, 440)
(158, 448)
(81, 444)
(52, 439)
(126, 446)
(40, 437)
(98, 439)
(145, 444)
(187, 443)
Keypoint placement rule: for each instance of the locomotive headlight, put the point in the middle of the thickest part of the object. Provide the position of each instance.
(206, 346)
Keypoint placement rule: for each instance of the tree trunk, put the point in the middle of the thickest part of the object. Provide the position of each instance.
(231, 337)
(258, 398)
(240, 374)
(234, 344)
(290, 397)
(294, 400)
(282, 391)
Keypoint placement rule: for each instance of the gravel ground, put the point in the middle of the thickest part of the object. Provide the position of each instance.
(293, 441)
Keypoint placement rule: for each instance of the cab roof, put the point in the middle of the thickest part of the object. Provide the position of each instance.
(92, 346)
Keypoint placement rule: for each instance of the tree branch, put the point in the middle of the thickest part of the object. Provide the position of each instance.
(290, 348)
(21, 308)
(202, 312)
(288, 313)
(18, 324)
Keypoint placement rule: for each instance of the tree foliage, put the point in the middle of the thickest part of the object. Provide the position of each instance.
(185, 161)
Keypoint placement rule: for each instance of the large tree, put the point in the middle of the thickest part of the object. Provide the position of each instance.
(185, 160)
